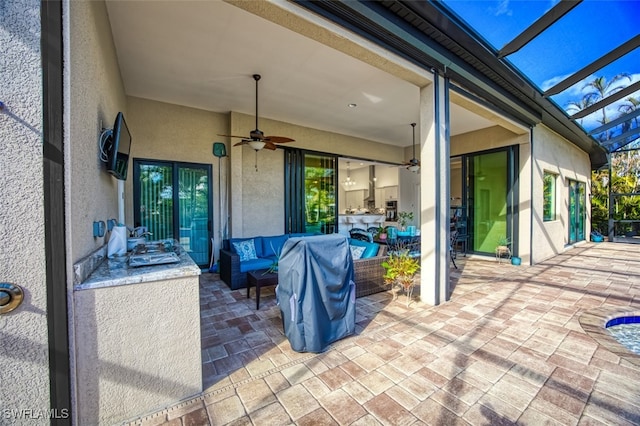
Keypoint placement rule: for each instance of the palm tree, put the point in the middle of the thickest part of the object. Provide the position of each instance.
(632, 104)
(603, 88)
(578, 106)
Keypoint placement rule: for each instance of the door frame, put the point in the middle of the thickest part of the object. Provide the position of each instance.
(175, 166)
(513, 194)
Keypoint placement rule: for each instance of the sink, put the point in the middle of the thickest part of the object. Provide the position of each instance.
(154, 253)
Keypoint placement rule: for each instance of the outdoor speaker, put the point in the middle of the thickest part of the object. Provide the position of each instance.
(219, 149)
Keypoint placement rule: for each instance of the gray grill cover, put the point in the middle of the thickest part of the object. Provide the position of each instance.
(316, 292)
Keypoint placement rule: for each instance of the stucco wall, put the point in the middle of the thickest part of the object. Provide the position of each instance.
(24, 376)
(162, 131)
(138, 348)
(485, 139)
(554, 154)
(96, 94)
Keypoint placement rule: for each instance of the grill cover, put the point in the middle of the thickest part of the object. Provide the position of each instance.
(316, 292)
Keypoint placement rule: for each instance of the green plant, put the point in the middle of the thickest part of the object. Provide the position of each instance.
(400, 270)
(380, 231)
(274, 266)
(504, 241)
(404, 218)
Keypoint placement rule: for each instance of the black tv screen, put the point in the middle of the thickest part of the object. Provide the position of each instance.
(118, 159)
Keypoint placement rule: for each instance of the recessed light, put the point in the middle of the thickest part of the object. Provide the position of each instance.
(352, 105)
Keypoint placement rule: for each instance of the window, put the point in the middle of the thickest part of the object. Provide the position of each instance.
(549, 204)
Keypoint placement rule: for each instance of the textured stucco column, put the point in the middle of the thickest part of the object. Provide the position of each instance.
(24, 347)
(434, 195)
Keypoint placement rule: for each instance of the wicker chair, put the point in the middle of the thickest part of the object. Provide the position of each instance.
(369, 272)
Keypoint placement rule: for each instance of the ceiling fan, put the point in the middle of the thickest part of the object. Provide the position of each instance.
(413, 165)
(257, 140)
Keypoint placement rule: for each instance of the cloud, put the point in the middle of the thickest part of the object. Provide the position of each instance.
(553, 81)
(502, 8)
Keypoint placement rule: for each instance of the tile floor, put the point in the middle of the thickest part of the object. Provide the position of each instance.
(510, 347)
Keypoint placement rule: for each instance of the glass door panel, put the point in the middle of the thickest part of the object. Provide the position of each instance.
(193, 205)
(577, 211)
(155, 200)
(319, 193)
(488, 178)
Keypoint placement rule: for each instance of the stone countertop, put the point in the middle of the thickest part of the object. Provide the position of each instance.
(116, 272)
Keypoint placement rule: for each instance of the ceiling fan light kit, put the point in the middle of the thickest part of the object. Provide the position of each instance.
(257, 140)
(257, 145)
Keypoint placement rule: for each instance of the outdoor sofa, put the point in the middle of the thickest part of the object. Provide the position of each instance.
(368, 258)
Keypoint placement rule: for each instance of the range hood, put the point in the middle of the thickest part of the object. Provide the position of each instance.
(370, 201)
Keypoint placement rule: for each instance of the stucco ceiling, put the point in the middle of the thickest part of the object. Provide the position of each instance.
(202, 54)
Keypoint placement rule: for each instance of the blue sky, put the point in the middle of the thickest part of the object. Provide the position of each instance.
(589, 31)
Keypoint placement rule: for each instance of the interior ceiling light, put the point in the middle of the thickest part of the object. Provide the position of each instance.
(352, 105)
(348, 182)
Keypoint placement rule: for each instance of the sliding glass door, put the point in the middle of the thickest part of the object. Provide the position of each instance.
(310, 192)
(173, 200)
(577, 211)
(490, 194)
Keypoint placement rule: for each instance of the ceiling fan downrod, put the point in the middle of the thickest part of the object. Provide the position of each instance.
(257, 134)
(414, 140)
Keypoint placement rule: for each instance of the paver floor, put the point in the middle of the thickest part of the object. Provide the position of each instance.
(514, 345)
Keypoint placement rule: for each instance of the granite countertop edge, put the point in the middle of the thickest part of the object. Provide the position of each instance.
(116, 272)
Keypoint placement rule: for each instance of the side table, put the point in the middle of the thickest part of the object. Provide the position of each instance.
(260, 278)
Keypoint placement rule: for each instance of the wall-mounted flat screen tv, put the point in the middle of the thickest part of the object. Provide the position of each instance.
(118, 154)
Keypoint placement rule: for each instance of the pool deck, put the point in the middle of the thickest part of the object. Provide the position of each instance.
(514, 345)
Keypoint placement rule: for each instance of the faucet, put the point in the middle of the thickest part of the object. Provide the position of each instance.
(141, 231)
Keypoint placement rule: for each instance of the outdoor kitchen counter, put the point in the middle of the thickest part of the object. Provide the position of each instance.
(138, 329)
(116, 271)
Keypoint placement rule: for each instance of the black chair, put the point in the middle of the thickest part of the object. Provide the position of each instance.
(361, 234)
(452, 247)
(362, 237)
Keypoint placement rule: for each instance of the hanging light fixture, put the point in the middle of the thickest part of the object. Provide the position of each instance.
(348, 182)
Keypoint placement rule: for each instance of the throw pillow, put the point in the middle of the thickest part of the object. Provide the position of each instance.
(356, 252)
(246, 250)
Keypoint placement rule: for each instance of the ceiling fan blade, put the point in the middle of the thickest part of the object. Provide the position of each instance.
(412, 162)
(269, 145)
(244, 142)
(278, 139)
(233, 136)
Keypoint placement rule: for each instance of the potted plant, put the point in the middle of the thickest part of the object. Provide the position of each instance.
(404, 218)
(502, 248)
(381, 233)
(400, 270)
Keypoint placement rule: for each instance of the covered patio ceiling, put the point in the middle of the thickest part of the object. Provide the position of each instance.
(202, 54)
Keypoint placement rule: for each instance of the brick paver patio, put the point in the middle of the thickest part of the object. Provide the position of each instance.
(514, 345)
